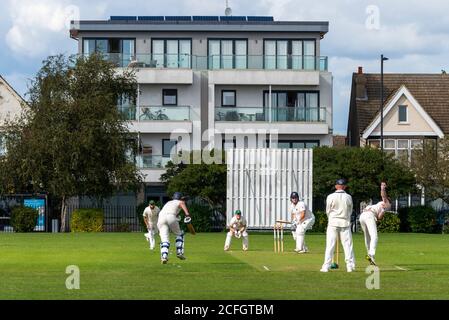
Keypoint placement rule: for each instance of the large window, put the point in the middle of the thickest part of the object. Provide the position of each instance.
(294, 105)
(289, 54)
(228, 54)
(172, 53)
(402, 149)
(120, 51)
(169, 97)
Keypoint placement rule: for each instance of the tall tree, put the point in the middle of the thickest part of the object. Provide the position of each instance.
(71, 140)
(364, 168)
(431, 167)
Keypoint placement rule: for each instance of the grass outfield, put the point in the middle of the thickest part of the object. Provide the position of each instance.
(120, 266)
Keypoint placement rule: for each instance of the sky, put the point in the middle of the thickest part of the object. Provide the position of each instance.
(414, 34)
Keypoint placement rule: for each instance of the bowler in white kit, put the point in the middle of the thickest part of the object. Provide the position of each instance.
(302, 220)
(169, 221)
(368, 221)
(339, 210)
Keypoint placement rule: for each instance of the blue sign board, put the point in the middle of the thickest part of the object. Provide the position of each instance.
(39, 205)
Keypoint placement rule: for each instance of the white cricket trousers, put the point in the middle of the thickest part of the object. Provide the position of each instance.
(331, 241)
(369, 227)
(244, 240)
(165, 224)
(151, 234)
(301, 233)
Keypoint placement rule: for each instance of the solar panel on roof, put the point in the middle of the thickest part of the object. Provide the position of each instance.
(260, 18)
(178, 18)
(151, 18)
(232, 18)
(205, 18)
(124, 18)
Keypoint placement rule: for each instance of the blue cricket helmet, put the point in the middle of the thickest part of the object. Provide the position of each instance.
(177, 196)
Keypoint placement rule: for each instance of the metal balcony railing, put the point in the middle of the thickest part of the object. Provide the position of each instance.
(278, 114)
(219, 62)
(155, 113)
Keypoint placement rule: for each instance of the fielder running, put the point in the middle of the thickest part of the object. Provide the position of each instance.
(169, 221)
(302, 219)
(237, 228)
(339, 209)
(368, 221)
(150, 216)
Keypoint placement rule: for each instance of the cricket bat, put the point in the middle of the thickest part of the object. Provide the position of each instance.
(191, 229)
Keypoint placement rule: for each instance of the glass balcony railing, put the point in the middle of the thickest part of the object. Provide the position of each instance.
(279, 114)
(219, 62)
(151, 161)
(155, 113)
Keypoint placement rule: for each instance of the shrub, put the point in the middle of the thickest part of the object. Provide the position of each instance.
(389, 223)
(24, 219)
(422, 219)
(320, 222)
(201, 218)
(87, 220)
(403, 217)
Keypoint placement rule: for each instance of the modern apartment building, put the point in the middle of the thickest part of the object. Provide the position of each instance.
(209, 81)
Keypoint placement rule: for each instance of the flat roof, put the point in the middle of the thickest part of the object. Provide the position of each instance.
(197, 23)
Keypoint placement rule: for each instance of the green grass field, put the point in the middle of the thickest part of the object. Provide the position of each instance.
(121, 266)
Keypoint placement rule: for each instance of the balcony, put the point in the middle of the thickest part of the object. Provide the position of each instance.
(219, 62)
(262, 114)
(151, 161)
(157, 119)
(155, 113)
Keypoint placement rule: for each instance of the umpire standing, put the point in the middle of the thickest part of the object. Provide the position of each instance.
(339, 209)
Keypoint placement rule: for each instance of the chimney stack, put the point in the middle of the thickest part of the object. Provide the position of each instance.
(360, 85)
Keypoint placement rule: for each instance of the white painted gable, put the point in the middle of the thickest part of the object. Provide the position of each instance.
(10, 102)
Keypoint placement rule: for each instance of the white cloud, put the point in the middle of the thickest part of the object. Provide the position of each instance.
(39, 27)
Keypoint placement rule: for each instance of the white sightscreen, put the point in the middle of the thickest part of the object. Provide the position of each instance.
(259, 183)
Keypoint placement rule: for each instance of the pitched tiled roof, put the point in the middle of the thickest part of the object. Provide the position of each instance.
(430, 90)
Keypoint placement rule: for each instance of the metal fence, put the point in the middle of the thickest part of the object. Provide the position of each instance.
(5, 225)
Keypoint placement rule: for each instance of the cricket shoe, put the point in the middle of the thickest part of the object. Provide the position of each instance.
(245, 248)
(164, 260)
(226, 248)
(302, 251)
(180, 256)
(371, 260)
(350, 268)
(324, 270)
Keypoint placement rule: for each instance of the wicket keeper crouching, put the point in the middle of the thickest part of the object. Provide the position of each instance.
(237, 228)
(169, 221)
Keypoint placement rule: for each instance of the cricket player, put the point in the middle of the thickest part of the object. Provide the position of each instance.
(368, 222)
(150, 216)
(237, 228)
(339, 209)
(169, 221)
(303, 219)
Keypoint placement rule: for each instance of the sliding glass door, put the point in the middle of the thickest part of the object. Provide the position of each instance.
(289, 54)
(172, 53)
(228, 54)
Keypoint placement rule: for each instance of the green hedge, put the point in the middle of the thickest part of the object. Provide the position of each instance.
(389, 223)
(24, 219)
(320, 222)
(422, 219)
(87, 220)
(201, 218)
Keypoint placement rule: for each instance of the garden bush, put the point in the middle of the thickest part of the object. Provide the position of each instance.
(24, 219)
(422, 219)
(201, 218)
(320, 222)
(87, 220)
(389, 223)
